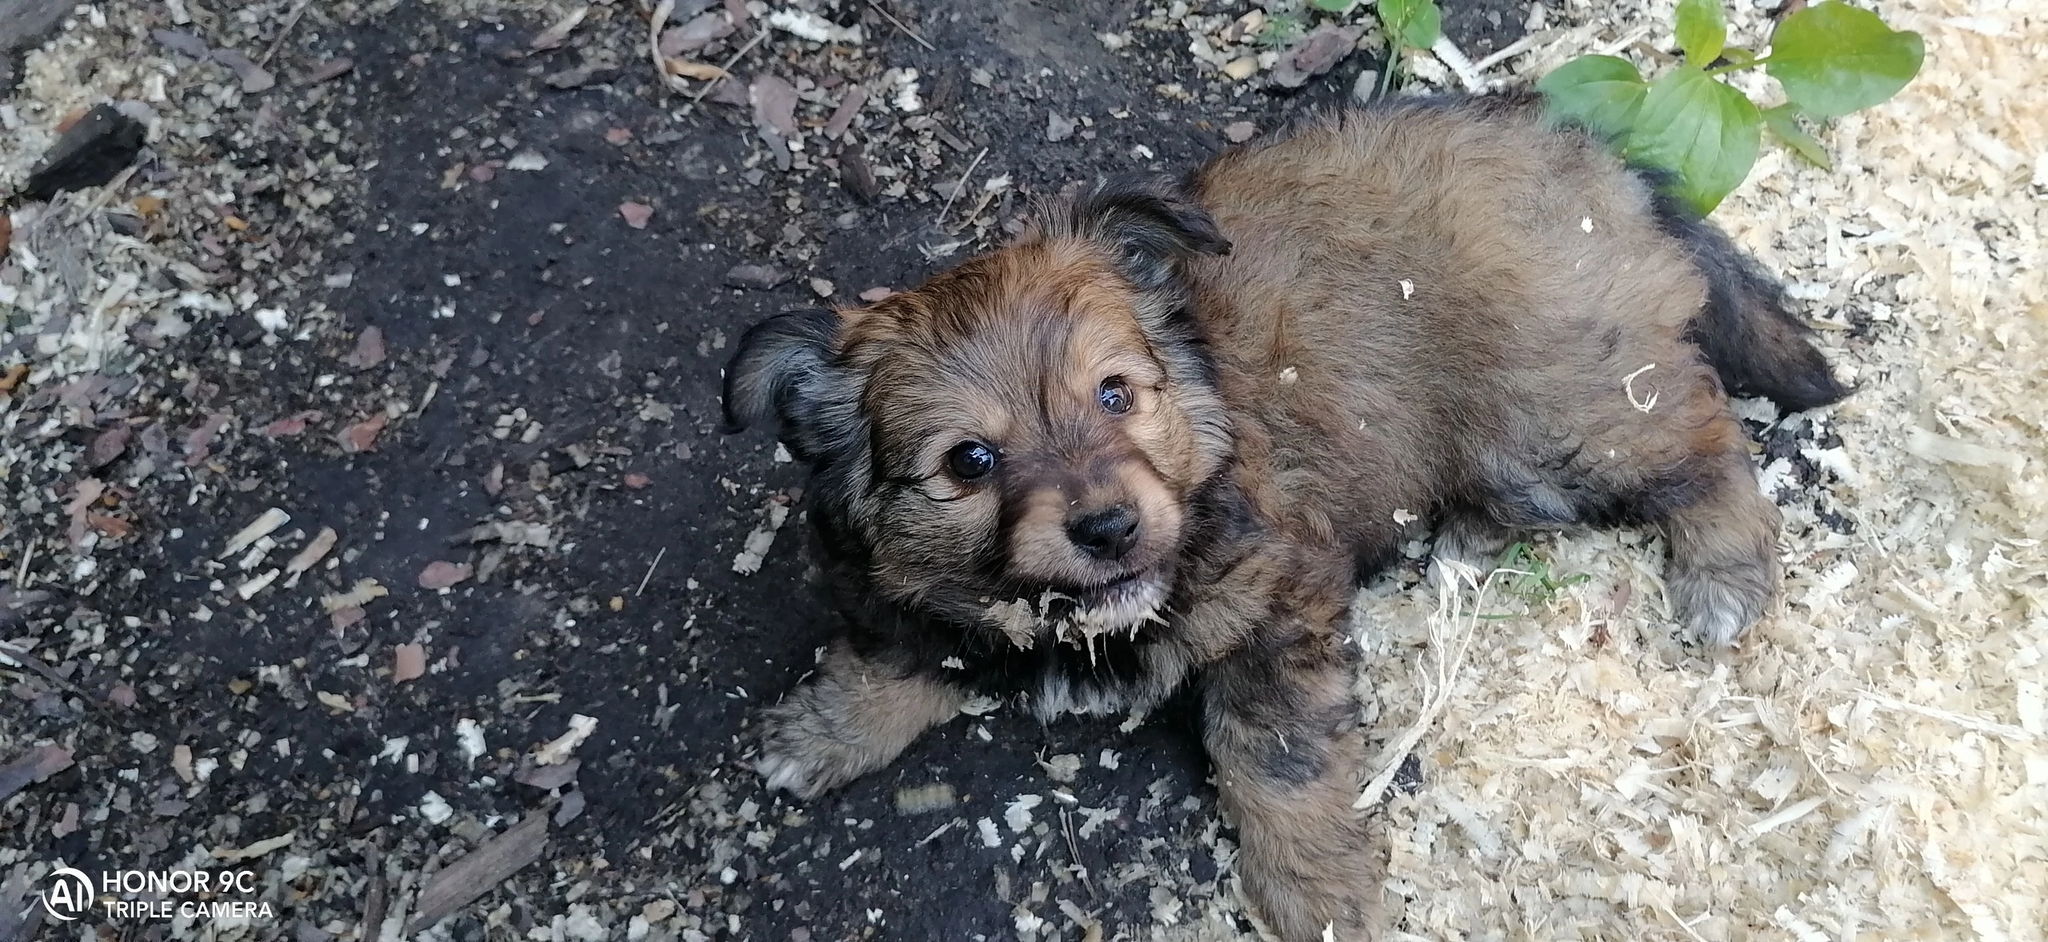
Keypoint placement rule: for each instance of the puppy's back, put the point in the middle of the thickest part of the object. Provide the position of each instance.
(1442, 229)
(1425, 300)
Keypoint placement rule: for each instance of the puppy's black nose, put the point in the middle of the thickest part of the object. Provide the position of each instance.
(1105, 534)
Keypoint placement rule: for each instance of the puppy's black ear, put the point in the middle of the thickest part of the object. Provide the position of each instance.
(779, 369)
(1149, 222)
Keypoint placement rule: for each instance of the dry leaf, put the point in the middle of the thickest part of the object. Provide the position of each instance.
(369, 349)
(701, 71)
(695, 34)
(331, 69)
(362, 436)
(553, 36)
(774, 102)
(293, 424)
(255, 78)
(440, 574)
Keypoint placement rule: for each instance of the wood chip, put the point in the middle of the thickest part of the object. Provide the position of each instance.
(849, 108)
(454, 886)
(264, 525)
(557, 750)
(257, 849)
(317, 549)
(363, 593)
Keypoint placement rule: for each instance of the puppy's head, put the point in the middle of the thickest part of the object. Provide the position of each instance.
(1028, 426)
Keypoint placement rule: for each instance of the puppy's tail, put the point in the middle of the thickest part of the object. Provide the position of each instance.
(1756, 345)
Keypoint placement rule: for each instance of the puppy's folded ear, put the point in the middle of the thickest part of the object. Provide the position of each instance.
(779, 371)
(1148, 221)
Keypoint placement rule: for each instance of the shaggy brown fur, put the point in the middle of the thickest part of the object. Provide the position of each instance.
(1160, 437)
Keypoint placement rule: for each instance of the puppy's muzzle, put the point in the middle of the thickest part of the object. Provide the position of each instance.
(1107, 534)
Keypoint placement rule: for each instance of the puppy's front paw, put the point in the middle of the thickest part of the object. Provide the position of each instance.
(803, 751)
(1716, 605)
(1340, 903)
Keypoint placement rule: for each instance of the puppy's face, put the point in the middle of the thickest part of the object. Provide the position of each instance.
(1025, 428)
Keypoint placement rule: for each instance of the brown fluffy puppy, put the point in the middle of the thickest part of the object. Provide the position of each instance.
(1159, 437)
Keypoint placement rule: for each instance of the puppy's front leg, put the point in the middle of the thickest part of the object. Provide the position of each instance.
(1281, 724)
(855, 716)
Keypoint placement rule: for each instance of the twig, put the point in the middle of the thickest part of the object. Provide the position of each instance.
(759, 35)
(1450, 55)
(30, 661)
(987, 197)
(28, 552)
(654, 25)
(282, 34)
(1512, 50)
(958, 187)
(907, 31)
(1074, 853)
(650, 572)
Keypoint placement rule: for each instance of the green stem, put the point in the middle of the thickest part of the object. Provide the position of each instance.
(1738, 66)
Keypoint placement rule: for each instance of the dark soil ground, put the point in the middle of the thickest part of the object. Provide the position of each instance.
(523, 306)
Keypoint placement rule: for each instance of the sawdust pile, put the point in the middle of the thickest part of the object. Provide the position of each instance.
(1873, 763)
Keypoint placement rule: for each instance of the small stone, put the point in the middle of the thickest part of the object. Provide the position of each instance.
(755, 277)
(821, 287)
(1240, 132)
(1058, 129)
(636, 214)
(858, 177)
(1242, 68)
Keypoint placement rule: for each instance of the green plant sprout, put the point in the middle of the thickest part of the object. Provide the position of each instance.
(1408, 24)
(1830, 58)
(1531, 578)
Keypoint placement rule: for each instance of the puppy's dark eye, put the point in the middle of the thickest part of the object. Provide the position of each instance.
(970, 460)
(1115, 395)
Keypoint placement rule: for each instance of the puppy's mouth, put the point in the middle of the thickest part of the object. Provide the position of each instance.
(1078, 616)
(1121, 604)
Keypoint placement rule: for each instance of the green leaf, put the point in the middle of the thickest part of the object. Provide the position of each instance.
(1416, 24)
(1705, 133)
(1736, 56)
(1333, 6)
(1600, 93)
(1784, 124)
(1833, 59)
(1701, 30)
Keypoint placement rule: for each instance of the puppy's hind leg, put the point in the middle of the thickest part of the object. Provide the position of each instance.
(1281, 726)
(857, 715)
(1724, 551)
